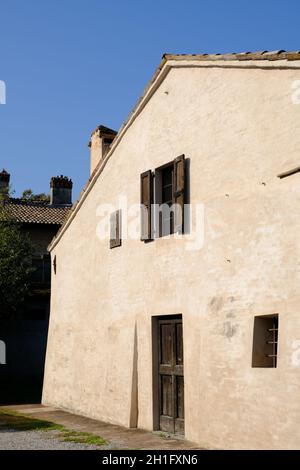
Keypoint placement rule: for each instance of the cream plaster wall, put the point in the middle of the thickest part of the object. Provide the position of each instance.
(239, 128)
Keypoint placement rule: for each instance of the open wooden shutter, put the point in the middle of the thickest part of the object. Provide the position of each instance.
(146, 202)
(178, 194)
(115, 229)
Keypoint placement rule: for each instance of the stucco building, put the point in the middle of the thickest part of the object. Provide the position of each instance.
(196, 333)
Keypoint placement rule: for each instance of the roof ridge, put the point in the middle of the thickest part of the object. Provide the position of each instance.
(35, 203)
(24, 202)
(280, 54)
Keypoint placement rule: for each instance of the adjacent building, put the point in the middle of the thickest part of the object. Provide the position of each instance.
(26, 337)
(188, 321)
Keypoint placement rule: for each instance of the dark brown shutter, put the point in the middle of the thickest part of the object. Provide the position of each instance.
(178, 194)
(115, 229)
(146, 202)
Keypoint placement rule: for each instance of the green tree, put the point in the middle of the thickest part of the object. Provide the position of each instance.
(15, 265)
(28, 195)
(5, 193)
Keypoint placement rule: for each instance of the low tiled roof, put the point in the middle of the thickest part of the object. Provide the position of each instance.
(36, 212)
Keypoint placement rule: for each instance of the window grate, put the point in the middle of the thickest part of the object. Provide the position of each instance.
(265, 341)
(273, 341)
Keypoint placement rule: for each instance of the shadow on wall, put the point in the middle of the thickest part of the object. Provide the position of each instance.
(134, 411)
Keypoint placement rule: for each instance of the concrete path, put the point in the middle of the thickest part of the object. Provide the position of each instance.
(117, 436)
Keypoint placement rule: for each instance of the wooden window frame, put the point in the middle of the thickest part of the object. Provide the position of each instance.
(115, 229)
(158, 200)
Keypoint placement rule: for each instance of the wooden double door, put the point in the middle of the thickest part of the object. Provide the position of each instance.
(170, 375)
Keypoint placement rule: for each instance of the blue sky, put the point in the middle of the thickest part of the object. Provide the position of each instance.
(70, 65)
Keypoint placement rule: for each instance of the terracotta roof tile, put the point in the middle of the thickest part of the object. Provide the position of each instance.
(36, 212)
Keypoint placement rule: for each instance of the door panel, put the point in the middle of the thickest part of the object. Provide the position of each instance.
(179, 344)
(166, 333)
(171, 379)
(179, 415)
(180, 397)
(166, 394)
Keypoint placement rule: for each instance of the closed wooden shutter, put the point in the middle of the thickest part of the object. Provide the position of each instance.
(178, 193)
(146, 202)
(115, 229)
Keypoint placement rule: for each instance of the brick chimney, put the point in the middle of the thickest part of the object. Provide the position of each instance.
(61, 191)
(101, 140)
(4, 182)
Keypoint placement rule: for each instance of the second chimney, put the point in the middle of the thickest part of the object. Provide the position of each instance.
(4, 182)
(101, 140)
(61, 191)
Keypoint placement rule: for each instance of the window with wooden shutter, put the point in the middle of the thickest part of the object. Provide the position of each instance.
(146, 203)
(178, 193)
(166, 194)
(115, 229)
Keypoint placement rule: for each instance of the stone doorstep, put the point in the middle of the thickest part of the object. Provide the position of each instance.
(120, 437)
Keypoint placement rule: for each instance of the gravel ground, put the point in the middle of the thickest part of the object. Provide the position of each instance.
(38, 440)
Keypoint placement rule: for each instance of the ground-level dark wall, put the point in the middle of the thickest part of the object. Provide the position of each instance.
(25, 337)
(21, 378)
